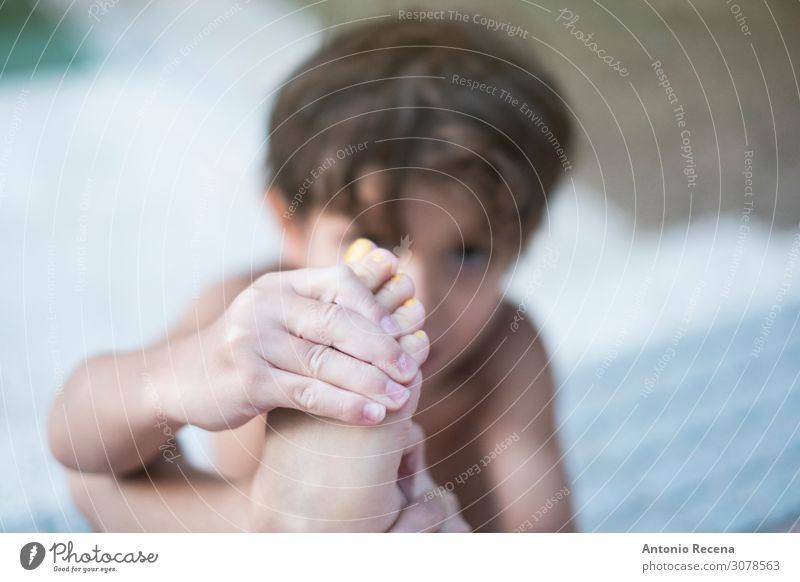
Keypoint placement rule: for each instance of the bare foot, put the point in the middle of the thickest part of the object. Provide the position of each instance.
(319, 475)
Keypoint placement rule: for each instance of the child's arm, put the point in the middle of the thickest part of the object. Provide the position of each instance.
(172, 496)
(270, 348)
(167, 496)
(108, 416)
(521, 450)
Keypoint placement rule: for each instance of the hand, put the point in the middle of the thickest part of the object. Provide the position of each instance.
(322, 476)
(316, 340)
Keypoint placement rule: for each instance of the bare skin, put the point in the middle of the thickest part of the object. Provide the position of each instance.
(483, 385)
(234, 357)
(476, 395)
(464, 418)
(328, 476)
(381, 467)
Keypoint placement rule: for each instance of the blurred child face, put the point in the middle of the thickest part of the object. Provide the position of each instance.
(448, 252)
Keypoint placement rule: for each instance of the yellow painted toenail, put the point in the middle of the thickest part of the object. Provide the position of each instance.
(421, 334)
(411, 302)
(358, 250)
(378, 256)
(396, 278)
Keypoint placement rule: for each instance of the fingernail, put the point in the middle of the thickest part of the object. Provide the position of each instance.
(357, 250)
(374, 412)
(389, 325)
(397, 392)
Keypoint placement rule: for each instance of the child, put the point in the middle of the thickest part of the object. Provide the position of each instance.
(433, 146)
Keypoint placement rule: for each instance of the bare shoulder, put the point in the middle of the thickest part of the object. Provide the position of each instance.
(524, 462)
(518, 373)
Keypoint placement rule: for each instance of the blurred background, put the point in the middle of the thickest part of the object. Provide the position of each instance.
(131, 172)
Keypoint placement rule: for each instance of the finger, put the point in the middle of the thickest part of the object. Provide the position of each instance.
(395, 291)
(375, 268)
(417, 345)
(323, 399)
(359, 249)
(334, 325)
(410, 316)
(342, 286)
(328, 364)
(408, 409)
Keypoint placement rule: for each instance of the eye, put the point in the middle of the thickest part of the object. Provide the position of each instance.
(469, 257)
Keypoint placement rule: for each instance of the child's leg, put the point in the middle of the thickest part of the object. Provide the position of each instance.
(319, 476)
(322, 476)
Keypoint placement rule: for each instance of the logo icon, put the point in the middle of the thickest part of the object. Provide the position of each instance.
(403, 251)
(31, 555)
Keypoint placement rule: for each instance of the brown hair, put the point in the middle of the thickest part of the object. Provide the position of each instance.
(410, 92)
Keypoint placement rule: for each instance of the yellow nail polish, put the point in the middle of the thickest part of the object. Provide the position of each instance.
(357, 250)
(396, 278)
(411, 302)
(378, 257)
(421, 334)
